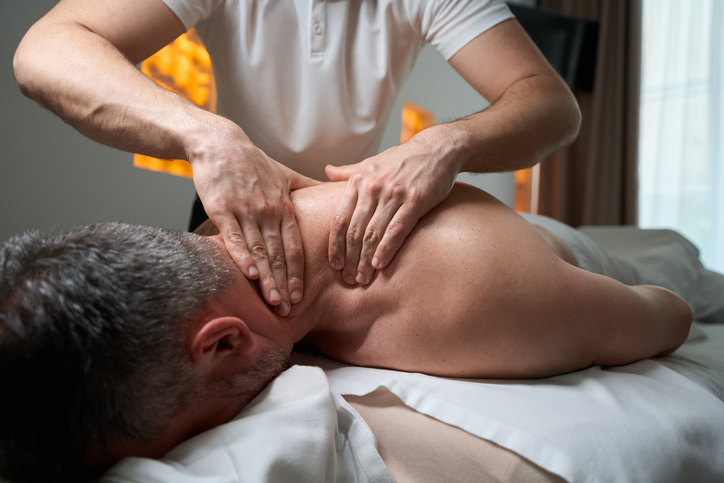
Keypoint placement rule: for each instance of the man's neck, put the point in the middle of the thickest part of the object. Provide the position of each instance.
(321, 308)
(326, 300)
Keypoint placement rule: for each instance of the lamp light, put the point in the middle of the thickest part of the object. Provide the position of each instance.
(414, 119)
(184, 67)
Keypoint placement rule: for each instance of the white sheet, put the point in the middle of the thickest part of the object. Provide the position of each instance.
(654, 420)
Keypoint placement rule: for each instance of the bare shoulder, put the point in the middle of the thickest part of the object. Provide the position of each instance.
(314, 208)
(467, 211)
(324, 197)
(319, 198)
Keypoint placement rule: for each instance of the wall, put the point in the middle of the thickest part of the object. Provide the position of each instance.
(53, 177)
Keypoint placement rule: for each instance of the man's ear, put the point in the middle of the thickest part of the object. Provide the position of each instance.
(219, 338)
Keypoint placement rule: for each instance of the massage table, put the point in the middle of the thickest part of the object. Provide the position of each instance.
(323, 421)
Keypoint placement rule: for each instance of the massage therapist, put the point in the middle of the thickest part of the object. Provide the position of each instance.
(302, 85)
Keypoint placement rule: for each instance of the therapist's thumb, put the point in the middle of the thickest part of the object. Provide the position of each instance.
(341, 173)
(298, 181)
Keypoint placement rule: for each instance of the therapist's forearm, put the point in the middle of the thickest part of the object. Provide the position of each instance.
(86, 81)
(534, 117)
(78, 61)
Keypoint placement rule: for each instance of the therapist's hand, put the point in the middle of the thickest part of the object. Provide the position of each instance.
(246, 195)
(385, 197)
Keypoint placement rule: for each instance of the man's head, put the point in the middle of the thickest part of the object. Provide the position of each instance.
(95, 342)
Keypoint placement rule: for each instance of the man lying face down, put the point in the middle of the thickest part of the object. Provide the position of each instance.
(119, 340)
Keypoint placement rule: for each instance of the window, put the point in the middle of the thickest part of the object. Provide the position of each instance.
(681, 151)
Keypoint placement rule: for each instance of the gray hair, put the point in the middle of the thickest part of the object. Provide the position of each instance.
(93, 330)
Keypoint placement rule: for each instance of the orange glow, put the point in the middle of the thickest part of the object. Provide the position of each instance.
(184, 67)
(527, 184)
(522, 190)
(414, 120)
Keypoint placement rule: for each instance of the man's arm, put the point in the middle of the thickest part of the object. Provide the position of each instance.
(78, 61)
(533, 113)
(562, 318)
(667, 321)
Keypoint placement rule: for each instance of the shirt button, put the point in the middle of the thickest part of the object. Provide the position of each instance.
(317, 29)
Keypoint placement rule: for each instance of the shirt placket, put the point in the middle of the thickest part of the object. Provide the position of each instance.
(317, 28)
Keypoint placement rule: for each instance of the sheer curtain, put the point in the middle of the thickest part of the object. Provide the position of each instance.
(681, 148)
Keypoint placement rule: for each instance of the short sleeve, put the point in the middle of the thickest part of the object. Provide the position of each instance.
(450, 24)
(192, 11)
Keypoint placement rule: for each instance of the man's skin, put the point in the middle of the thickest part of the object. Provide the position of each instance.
(78, 61)
(475, 292)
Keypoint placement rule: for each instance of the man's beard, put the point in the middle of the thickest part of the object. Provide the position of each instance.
(248, 383)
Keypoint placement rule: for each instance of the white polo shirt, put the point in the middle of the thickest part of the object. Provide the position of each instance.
(312, 82)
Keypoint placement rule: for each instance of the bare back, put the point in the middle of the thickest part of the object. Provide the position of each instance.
(475, 291)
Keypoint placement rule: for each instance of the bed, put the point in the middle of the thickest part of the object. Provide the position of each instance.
(654, 420)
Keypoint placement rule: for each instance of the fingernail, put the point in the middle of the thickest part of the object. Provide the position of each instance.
(295, 296)
(283, 308)
(376, 263)
(336, 264)
(274, 295)
(361, 278)
(253, 271)
(349, 279)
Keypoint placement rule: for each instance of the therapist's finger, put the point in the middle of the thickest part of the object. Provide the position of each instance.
(294, 255)
(275, 253)
(355, 238)
(338, 229)
(261, 253)
(396, 232)
(371, 240)
(341, 173)
(235, 244)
